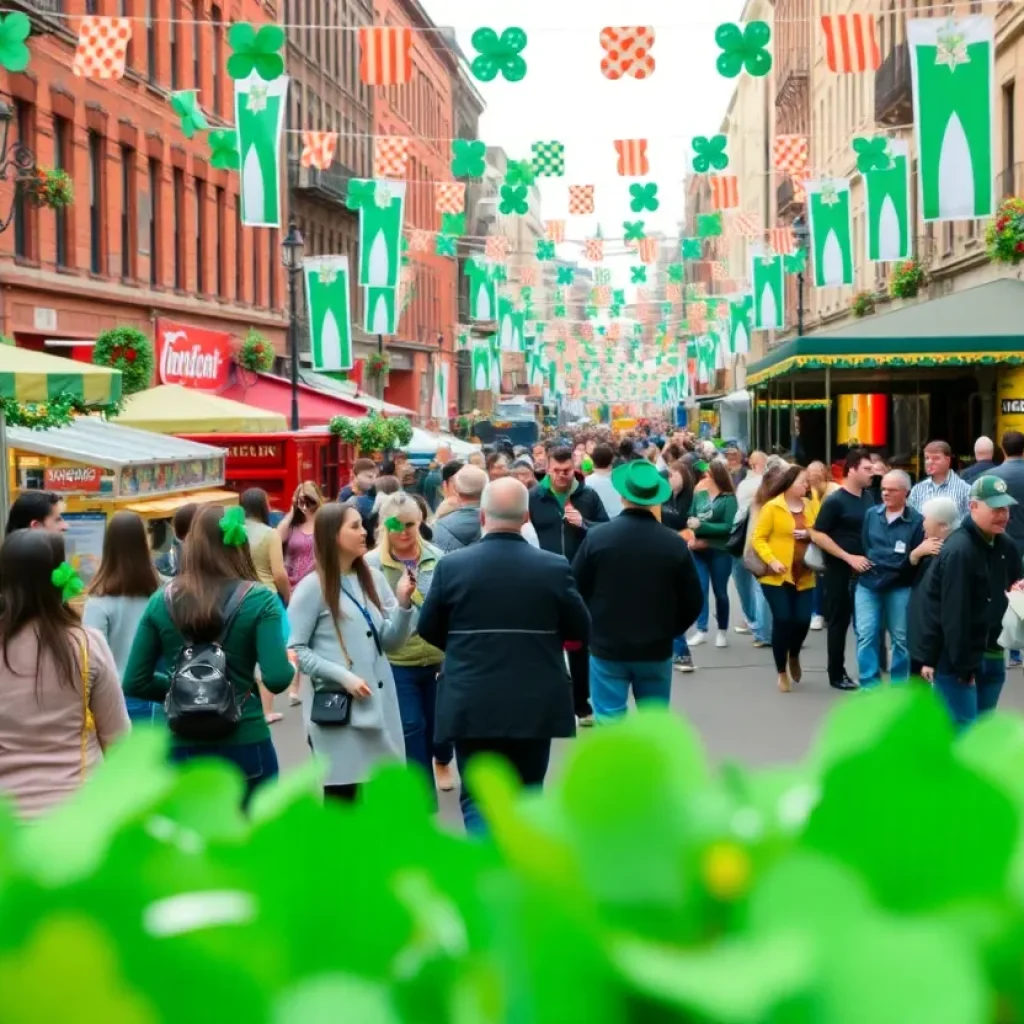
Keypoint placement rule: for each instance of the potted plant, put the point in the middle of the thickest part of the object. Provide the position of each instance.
(907, 279)
(1004, 239)
(378, 365)
(126, 349)
(53, 189)
(863, 304)
(255, 353)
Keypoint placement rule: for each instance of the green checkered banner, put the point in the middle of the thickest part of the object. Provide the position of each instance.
(548, 159)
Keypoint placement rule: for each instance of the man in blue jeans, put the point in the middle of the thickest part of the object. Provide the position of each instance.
(967, 600)
(638, 580)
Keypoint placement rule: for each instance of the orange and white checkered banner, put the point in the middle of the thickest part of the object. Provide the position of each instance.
(719, 272)
(318, 149)
(627, 51)
(528, 276)
(647, 248)
(419, 240)
(587, 331)
(614, 332)
(746, 224)
(554, 230)
(781, 241)
(602, 295)
(725, 191)
(593, 249)
(386, 55)
(674, 292)
(449, 196)
(102, 47)
(633, 162)
(496, 248)
(390, 157)
(581, 200)
(790, 153)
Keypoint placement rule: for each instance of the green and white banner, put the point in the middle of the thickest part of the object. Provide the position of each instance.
(953, 75)
(890, 237)
(483, 300)
(768, 274)
(380, 310)
(831, 223)
(439, 397)
(480, 364)
(536, 371)
(380, 235)
(259, 114)
(511, 326)
(496, 367)
(328, 312)
(741, 314)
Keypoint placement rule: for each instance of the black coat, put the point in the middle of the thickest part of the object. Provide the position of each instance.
(501, 611)
(676, 511)
(923, 628)
(638, 579)
(548, 518)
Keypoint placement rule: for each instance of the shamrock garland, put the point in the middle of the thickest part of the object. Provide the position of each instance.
(633, 231)
(872, 154)
(710, 153)
(566, 276)
(645, 197)
(360, 193)
(14, 30)
(744, 48)
(224, 149)
(499, 55)
(675, 273)
(453, 223)
(545, 249)
(469, 158)
(186, 105)
(519, 172)
(57, 412)
(255, 51)
(445, 245)
(638, 275)
(795, 262)
(513, 200)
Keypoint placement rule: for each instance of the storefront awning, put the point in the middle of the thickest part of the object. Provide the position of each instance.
(983, 325)
(316, 408)
(172, 409)
(348, 390)
(29, 376)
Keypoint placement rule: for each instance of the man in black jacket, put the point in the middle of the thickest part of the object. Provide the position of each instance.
(641, 587)
(967, 598)
(502, 611)
(562, 510)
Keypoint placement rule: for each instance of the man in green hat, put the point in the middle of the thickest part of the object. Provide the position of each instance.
(967, 600)
(638, 579)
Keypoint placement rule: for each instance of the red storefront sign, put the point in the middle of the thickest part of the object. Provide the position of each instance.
(192, 357)
(72, 478)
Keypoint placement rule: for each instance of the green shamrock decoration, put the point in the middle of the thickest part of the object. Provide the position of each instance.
(393, 524)
(445, 245)
(469, 158)
(185, 104)
(710, 153)
(14, 30)
(545, 249)
(795, 262)
(499, 54)
(591, 312)
(360, 193)
(691, 249)
(633, 231)
(645, 197)
(710, 225)
(255, 51)
(224, 149)
(675, 273)
(872, 154)
(232, 527)
(638, 275)
(67, 581)
(519, 172)
(619, 296)
(566, 275)
(513, 200)
(559, 309)
(615, 309)
(744, 48)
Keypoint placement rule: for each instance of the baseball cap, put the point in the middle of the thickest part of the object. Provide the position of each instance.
(992, 491)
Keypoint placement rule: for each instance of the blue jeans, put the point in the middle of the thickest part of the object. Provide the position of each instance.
(256, 761)
(745, 585)
(680, 648)
(416, 686)
(876, 611)
(819, 596)
(966, 702)
(714, 569)
(791, 619)
(528, 758)
(144, 712)
(610, 683)
(763, 629)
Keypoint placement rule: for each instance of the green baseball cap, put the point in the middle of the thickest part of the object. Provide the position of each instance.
(992, 491)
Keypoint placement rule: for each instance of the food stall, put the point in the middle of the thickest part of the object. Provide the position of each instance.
(100, 468)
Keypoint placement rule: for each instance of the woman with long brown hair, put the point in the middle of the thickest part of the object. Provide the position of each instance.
(119, 594)
(344, 621)
(216, 599)
(61, 705)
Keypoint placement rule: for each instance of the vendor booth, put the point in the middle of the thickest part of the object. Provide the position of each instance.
(173, 409)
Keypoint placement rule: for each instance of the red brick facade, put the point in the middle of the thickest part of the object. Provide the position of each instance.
(107, 261)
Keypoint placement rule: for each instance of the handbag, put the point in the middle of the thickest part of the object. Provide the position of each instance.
(814, 558)
(738, 537)
(754, 563)
(331, 707)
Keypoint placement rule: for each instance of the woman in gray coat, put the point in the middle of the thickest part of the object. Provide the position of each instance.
(344, 619)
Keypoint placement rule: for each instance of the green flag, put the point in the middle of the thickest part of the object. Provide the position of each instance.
(328, 314)
(480, 364)
(741, 312)
(830, 218)
(768, 277)
(380, 233)
(259, 115)
(888, 206)
(380, 310)
(439, 398)
(483, 301)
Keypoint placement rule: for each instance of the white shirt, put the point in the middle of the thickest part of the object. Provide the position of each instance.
(601, 485)
(745, 493)
(530, 535)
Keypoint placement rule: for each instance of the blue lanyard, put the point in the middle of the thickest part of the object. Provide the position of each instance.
(369, 620)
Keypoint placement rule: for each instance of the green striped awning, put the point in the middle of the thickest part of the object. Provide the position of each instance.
(29, 376)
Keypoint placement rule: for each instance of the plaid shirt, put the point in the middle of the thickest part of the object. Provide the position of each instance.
(953, 487)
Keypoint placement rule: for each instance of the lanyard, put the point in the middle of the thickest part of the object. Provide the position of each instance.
(369, 619)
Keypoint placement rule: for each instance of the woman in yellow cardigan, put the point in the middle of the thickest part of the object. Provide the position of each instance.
(781, 537)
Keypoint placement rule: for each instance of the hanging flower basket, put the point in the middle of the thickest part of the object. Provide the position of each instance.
(863, 304)
(1004, 239)
(53, 189)
(378, 365)
(375, 433)
(907, 279)
(255, 353)
(126, 349)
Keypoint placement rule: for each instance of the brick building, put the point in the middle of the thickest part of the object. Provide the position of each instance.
(154, 229)
(423, 112)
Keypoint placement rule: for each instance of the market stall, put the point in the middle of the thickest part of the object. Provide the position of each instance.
(101, 468)
(173, 409)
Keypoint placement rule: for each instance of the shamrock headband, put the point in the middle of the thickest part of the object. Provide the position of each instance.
(232, 527)
(67, 581)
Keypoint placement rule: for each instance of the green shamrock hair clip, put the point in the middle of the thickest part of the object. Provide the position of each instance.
(745, 48)
(232, 527)
(499, 54)
(872, 154)
(186, 105)
(394, 525)
(255, 51)
(67, 581)
(710, 153)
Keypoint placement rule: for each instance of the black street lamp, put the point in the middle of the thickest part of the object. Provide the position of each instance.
(17, 158)
(801, 235)
(291, 257)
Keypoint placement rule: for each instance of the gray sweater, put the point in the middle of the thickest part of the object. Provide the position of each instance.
(117, 619)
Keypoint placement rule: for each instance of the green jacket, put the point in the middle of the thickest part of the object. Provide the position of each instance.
(256, 637)
(716, 518)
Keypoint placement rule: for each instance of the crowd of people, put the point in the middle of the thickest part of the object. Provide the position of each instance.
(495, 605)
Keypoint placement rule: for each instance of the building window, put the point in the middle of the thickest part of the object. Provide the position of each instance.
(200, 193)
(179, 212)
(123, 11)
(22, 211)
(272, 257)
(239, 250)
(90, 6)
(173, 27)
(150, 43)
(197, 48)
(1009, 139)
(95, 203)
(221, 200)
(154, 221)
(218, 56)
(127, 210)
(61, 162)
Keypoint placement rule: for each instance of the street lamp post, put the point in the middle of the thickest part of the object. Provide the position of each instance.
(291, 257)
(801, 235)
(16, 158)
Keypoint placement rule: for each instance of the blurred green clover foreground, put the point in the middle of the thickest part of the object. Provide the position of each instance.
(881, 881)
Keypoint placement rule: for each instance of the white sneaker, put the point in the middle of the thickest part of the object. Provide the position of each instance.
(743, 630)
(697, 639)
(817, 622)
(722, 639)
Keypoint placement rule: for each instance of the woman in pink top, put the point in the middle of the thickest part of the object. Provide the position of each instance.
(61, 703)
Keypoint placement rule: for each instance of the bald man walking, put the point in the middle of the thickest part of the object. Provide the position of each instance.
(984, 460)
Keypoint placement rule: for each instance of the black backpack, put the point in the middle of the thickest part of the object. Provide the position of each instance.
(202, 703)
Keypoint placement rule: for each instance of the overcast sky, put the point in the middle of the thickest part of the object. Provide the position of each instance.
(565, 97)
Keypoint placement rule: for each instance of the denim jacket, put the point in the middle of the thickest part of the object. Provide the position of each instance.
(888, 547)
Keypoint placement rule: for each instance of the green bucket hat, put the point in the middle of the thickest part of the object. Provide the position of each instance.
(640, 483)
(992, 491)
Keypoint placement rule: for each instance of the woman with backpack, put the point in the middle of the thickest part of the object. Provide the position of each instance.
(213, 624)
(345, 621)
(119, 594)
(62, 704)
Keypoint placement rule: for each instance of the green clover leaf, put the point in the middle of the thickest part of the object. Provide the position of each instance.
(744, 48)
(14, 30)
(393, 524)
(633, 230)
(545, 249)
(445, 245)
(566, 275)
(519, 172)
(872, 154)
(710, 225)
(796, 262)
(710, 153)
(691, 248)
(499, 55)
(67, 581)
(560, 310)
(469, 158)
(232, 527)
(360, 193)
(186, 105)
(675, 273)
(645, 197)
(224, 149)
(638, 275)
(255, 51)
(619, 296)
(615, 309)
(513, 200)
(453, 223)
